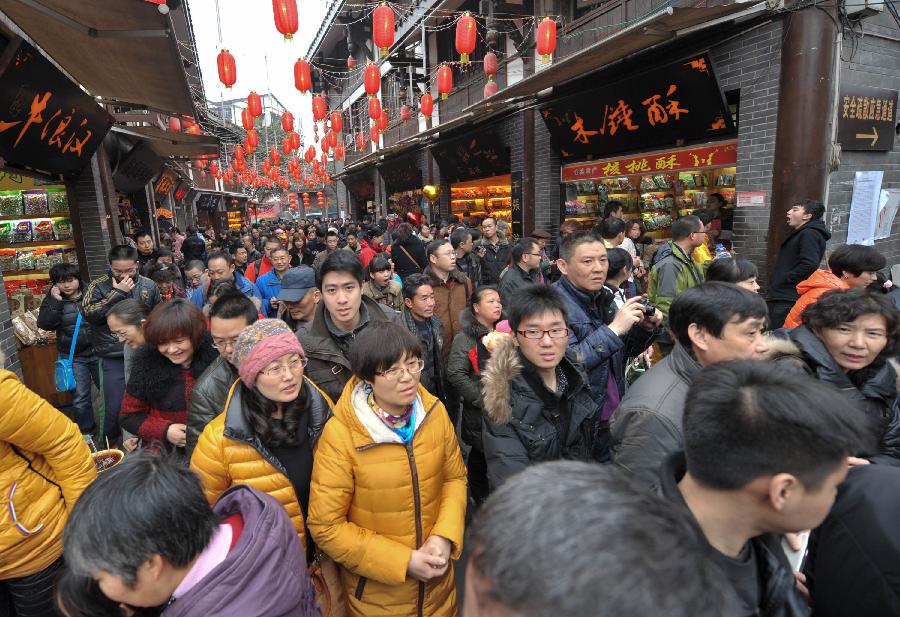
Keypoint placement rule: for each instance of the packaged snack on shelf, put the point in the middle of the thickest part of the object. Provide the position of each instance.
(62, 228)
(57, 201)
(55, 256)
(35, 202)
(7, 259)
(43, 231)
(25, 260)
(10, 203)
(71, 256)
(42, 259)
(21, 232)
(5, 232)
(647, 183)
(662, 181)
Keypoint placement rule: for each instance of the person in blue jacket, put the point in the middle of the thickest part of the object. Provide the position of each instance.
(220, 267)
(269, 284)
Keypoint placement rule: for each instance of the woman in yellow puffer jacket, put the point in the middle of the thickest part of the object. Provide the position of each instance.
(272, 419)
(388, 497)
(45, 464)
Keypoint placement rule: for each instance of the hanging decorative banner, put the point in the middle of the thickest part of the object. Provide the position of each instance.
(676, 101)
(702, 157)
(46, 121)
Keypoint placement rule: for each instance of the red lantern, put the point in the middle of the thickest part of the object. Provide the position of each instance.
(374, 108)
(351, 62)
(374, 134)
(383, 28)
(324, 159)
(286, 145)
(238, 153)
(192, 129)
(337, 121)
(254, 104)
(246, 119)
(319, 107)
(287, 121)
(372, 79)
(227, 69)
(174, 124)
(302, 78)
(286, 21)
(252, 138)
(445, 81)
(404, 113)
(382, 121)
(491, 64)
(466, 30)
(332, 138)
(324, 145)
(426, 104)
(201, 164)
(545, 41)
(310, 154)
(295, 140)
(360, 140)
(339, 152)
(491, 88)
(273, 152)
(250, 149)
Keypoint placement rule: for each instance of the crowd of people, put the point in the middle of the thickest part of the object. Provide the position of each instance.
(322, 417)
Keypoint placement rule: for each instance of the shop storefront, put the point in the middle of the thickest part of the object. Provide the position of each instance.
(660, 142)
(403, 187)
(483, 197)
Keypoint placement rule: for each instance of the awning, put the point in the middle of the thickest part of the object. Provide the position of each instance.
(175, 145)
(122, 50)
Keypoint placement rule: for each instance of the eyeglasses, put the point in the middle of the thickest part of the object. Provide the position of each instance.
(222, 343)
(394, 373)
(539, 334)
(128, 272)
(292, 365)
(533, 254)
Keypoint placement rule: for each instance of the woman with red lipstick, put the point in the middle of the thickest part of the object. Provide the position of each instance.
(177, 349)
(850, 339)
(267, 432)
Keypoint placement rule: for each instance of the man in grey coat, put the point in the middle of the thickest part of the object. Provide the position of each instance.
(713, 322)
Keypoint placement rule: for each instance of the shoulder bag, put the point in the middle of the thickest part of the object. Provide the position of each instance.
(63, 373)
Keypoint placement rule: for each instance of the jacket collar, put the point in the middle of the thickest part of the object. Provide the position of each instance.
(454, 276)
(683, 363)
(599, 301)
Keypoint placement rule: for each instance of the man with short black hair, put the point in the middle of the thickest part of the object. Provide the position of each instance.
(227, 319)
(196, 281)
(592, 529)
(144, 536)
(493, 251)
(250, 246)
(764, 452)
(331, 245)
(298, 297)
(612, 230)
(352, 240)
(713, 322)
(343, 313)
(263, 265)
(613, 209)
(800, 254)
(146, 249)
(419, 318)
(451, 289)
(239, 254)
(269, 284)
(121, 282)
(221, 268)
(193, 247)
(466, 262)
(673, 270)
(526, 263)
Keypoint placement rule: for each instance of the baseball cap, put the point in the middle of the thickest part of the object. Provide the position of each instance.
(296, 282)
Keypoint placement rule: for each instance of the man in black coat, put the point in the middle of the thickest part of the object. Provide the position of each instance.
(799, 256)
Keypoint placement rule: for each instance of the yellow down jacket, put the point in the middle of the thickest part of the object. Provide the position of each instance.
(229, 453)
(44, 466)
(374, 500)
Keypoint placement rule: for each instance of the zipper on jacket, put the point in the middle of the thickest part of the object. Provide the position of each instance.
(360, 587)
(417, 505)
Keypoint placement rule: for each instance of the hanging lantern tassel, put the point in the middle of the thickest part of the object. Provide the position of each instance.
(466, 31)
(546, 39)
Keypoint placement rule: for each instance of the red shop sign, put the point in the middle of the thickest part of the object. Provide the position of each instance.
(703, 157)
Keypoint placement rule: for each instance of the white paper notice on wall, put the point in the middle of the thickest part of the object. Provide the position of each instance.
(864, 207)
(887, 210)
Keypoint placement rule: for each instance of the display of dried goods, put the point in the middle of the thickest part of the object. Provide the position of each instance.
(43, 231)
(62, 228)
(7, 259)
(55, 256)
(35, 202)
(57, 201)
(42, 259)
(25, 260)
(71, 256)
(21, 232)
(5, 232)
(10, 203)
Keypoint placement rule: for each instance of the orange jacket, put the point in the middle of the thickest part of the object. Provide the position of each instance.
(810, 290)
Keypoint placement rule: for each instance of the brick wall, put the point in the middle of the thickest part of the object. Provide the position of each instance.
(873, 62)
(751, 63)
(8, 338)
(90, 213)
(546, 179)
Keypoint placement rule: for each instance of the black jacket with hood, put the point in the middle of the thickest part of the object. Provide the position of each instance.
(410, 261)
(799, 256)
(523, 424)
(465, 380)
(61, 315)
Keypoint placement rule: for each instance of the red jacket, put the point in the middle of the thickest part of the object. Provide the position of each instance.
(264, 266)
(368, 251)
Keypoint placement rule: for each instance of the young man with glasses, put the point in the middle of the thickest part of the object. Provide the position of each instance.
(537, 402)
(121, 282)
(526, 263)
(228, 317)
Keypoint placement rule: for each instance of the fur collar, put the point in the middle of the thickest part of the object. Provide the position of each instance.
(154, 374)
(780, 347)
(502, 368)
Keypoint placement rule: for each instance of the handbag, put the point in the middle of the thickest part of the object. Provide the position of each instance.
(411, 258)
(63, 373)
(327, 581)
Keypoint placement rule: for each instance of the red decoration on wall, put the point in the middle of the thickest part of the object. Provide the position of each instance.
(310, 154)
(227, 68)
(252, 138)
(246, 119)
(286, 20)
(174, 124)
(339, 152)
(545, 41)
(445, 81)
(382, 121)
(294, 138)
(404, 113)
(254, 104)
(383, 28)
(360, 140)
(351, 62)
(374, 134)
(491, 88)
(332, 138)
(466, 31)
(319, 107)
(287, 121)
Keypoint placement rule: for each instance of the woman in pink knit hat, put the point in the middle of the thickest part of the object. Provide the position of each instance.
(266, 434)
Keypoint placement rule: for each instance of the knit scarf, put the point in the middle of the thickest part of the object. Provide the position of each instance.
(403, 426)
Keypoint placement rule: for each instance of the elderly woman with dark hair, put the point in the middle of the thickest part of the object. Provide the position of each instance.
(848, 339)
(176, 351)
(388, 496)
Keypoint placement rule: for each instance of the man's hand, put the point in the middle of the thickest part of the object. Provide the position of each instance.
(855, 461)
(126, 285)
(630, 313)
(652, 322)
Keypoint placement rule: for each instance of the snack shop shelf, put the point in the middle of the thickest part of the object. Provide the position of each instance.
(30, 217)
(49, 244)
(8, 273)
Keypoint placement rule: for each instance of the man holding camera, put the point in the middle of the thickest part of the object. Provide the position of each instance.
(602, 337)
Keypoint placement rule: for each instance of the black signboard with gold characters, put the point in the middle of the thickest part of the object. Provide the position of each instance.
(472, 156)
(401, 174)
(47, 122)
(867, 118)
(677, 101)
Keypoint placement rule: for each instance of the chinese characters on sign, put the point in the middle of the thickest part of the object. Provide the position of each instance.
(866, 118)
(517, 216)
(703, 157)
(472, 156)
(46, 121)
(166, 182)
(678, 101)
